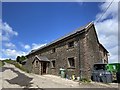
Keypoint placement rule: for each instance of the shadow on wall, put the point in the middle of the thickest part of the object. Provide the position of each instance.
(21, 79)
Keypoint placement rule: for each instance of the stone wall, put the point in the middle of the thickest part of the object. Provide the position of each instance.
(85, 52)
(61, 55)
(103, 55)
(91, 52)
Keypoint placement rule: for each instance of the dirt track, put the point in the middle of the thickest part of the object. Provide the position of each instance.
(12, 77)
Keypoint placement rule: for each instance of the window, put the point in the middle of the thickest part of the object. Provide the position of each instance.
(53, 50)
(71, 62)
(36, 63)
(71, 44)
(53, 64)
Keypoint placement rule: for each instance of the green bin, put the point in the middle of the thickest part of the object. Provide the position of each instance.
(62, 73)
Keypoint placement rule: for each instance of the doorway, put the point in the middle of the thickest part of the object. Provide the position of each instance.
(44, 66)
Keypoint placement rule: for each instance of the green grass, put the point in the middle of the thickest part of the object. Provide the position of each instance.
(16, 64)
(1, 63)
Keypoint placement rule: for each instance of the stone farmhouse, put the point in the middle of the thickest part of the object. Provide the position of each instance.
(75, 52)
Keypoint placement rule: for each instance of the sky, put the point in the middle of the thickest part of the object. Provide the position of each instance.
(28, 26)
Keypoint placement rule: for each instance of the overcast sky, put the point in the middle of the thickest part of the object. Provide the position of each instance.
(27, 26)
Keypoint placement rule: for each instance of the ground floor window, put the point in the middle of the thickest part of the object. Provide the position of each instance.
(53, 63)
(71, 62)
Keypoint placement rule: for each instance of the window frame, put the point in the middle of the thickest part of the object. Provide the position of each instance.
(36, 63)
(71, 64)
(53, 65)
(71, 44)
(53, 50)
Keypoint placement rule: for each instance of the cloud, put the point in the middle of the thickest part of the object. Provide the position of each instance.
(108, 35)
(6, 31)
(9, 45)
(25, 46)
(32, 46)
(10, 50)
(36, 46)
(107, 29)
(111, 12)
(12, 53)
(114, 50)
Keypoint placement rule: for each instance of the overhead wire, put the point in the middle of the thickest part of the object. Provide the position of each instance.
(104, 12)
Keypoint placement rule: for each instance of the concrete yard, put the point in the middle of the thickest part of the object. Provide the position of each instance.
(12, 77)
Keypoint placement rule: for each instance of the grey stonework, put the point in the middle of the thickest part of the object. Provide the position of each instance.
(86, 51)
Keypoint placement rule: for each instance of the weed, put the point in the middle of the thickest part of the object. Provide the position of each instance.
(85, 80)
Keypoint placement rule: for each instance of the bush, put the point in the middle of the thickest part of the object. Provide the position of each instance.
(9, 61)
(20, 59)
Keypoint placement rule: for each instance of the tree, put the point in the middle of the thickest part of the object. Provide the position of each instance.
(22, 58)
(18, 59)
(9, 59)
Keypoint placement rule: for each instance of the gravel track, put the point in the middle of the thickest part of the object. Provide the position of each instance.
(12, 77)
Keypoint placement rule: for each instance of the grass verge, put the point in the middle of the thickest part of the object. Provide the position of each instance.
(16, 64)
(2, 63)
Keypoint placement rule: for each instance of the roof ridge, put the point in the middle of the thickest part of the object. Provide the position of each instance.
(65, 36)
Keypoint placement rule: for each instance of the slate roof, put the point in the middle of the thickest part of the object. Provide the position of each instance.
(103, 47)
(79, 30)
(42, 58)
(69, 34)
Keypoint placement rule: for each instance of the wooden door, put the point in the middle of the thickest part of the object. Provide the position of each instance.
(44, 66)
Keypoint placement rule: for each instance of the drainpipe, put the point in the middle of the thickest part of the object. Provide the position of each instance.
(80, 75)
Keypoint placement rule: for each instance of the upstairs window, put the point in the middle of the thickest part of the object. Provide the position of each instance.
(53, 50)
(71, 44)
(53, 64)
(71, 62)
